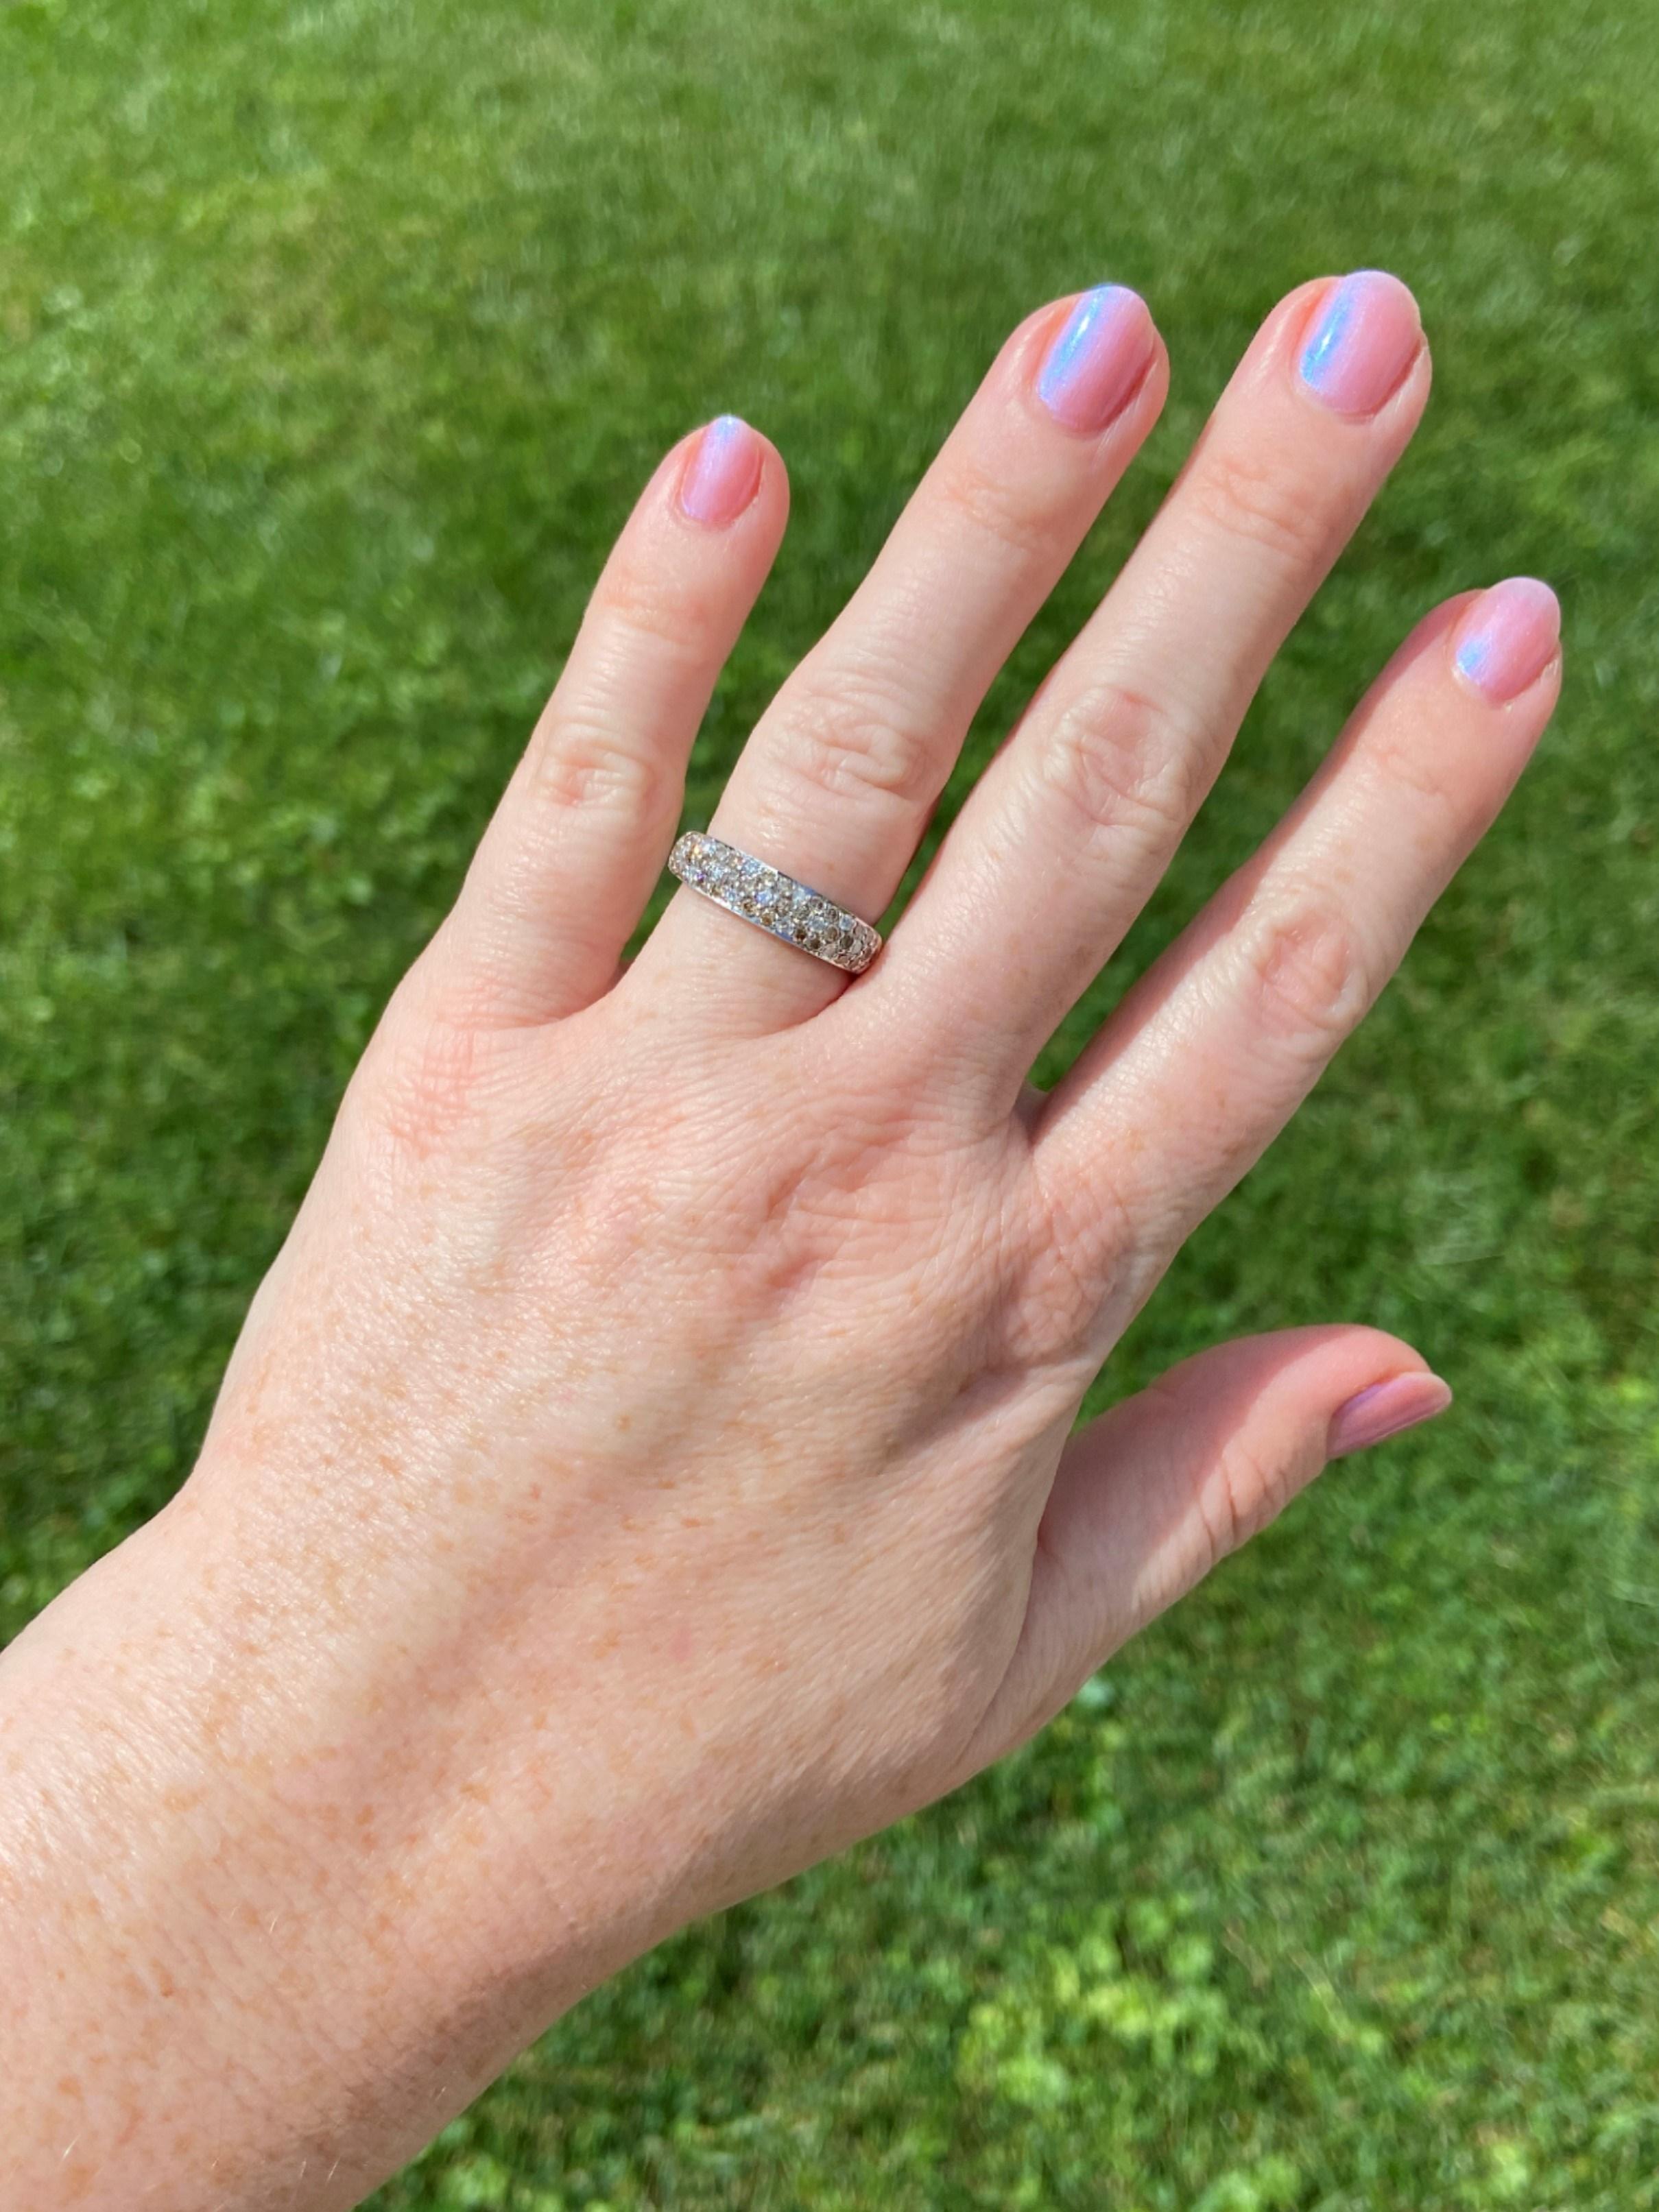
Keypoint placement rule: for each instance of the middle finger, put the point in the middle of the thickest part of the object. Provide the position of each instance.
(1068, 831)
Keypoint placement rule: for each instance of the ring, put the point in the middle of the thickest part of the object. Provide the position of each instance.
(763, 895)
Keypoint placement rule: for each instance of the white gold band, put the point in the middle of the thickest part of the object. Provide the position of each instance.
(756, 892)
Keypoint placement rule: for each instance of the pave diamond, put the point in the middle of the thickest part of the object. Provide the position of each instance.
(774, 902)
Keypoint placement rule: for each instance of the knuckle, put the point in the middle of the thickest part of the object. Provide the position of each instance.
(1123, 760)
(1404, 756)
(1258, 498)
(648, 611)
(845, 734)
(578, 758)
(422, 1080)
(1058, 1311)
(1245, 1491)
(997, 508)
(1308, 974)
(1081, 1237)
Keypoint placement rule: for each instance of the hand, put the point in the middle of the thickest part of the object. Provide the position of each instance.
(645, 1468)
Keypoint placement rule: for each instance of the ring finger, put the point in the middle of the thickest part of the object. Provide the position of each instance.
(837, 779)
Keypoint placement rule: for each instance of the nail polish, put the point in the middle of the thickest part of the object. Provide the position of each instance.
(1365, 338)
(1097, 359)
(723, 474)
(1384, 1410)
(1508, 637)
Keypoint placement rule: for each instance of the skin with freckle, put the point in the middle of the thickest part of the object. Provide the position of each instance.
(647, 1465)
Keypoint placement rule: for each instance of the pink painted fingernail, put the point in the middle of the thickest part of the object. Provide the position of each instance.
(724, 472)
(1097, 359)
(1383, 1410)
(1508, 636)
(1365, 338)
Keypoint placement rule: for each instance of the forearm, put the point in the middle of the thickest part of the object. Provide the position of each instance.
(244, 1967)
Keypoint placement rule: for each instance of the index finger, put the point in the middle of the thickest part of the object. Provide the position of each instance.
(1212, 1052)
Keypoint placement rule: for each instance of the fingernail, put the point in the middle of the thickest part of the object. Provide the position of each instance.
(723, 474)
(1383, 1410)
(1362, 344)
(1098, 358)
(1508, 636)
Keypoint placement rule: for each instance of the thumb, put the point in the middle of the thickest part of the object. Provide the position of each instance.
(1148, 1498)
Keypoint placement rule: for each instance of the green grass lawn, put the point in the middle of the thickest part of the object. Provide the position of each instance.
(334, 341)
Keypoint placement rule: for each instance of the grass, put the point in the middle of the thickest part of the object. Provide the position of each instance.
(334, 341)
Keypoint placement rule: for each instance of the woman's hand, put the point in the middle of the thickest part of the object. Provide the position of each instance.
(645, 1468)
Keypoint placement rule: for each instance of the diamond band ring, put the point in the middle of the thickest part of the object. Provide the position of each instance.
(756, 892)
